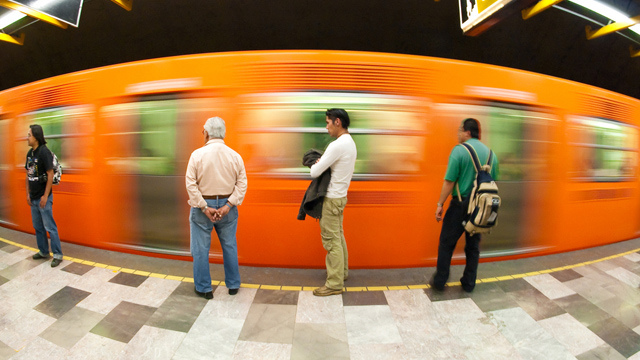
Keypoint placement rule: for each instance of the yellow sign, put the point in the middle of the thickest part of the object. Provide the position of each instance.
(483, 4)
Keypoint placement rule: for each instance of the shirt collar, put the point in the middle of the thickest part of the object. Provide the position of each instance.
(219, 141)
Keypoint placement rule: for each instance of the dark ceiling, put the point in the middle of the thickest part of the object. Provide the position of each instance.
(552, 42)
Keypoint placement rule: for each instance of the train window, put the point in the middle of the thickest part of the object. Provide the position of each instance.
(67, 131)
(604, 150)
(142, 137)
(278, 128)
(517, 135)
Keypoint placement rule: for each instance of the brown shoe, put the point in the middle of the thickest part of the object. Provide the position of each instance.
(325, 291)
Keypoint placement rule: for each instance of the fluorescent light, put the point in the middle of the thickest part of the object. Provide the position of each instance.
(10, 17)
(606, 11)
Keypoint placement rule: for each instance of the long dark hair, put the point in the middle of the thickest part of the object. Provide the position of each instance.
(36, 131)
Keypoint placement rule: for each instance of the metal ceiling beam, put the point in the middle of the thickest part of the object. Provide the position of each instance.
(125, 4)
(34, 14)
(611, 28)
(541, 6)
(12, 39)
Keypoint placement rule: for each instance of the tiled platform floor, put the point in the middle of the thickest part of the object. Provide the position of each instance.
(78, 311)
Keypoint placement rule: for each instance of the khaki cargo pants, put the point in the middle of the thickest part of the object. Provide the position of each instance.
(333, 241)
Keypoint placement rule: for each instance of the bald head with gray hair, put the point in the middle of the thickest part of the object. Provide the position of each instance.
(215, 127)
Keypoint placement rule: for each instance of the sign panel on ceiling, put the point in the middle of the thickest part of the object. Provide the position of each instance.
(474, 12)
(67, 11)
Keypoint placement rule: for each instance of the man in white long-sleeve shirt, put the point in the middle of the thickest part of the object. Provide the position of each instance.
(340, 156)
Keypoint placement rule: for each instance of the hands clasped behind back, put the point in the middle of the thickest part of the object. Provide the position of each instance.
(216, 214)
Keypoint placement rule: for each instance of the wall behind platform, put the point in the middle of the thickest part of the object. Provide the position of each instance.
(551, 43)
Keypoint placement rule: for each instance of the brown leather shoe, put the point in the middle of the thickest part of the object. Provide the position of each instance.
(325, 291)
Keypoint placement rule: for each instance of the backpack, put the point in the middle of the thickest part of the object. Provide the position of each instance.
(484, 201)
(57, 169)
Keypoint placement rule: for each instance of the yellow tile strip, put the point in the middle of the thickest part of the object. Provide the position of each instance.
(250, 286)
(292, 288)
(270, 287)
(311, 288)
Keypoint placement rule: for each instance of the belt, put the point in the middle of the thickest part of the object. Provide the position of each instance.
(215, 197)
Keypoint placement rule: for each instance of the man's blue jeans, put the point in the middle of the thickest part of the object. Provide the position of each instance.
(201, 228)
(43, 222)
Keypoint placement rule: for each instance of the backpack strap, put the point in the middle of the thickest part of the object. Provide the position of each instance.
(474, 156)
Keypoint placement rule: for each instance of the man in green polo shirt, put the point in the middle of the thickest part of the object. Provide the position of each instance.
(461, 171)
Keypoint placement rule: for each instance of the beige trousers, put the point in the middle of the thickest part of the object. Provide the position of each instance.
(333, 241)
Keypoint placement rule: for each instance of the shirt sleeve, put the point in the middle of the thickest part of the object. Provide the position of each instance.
(240, 188)
(495, 168)
(326, 160)
(191, 178)
(453, 168)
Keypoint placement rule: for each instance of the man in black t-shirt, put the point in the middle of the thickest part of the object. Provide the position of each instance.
(39, 167)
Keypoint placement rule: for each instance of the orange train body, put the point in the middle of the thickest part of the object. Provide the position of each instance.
(568, 153)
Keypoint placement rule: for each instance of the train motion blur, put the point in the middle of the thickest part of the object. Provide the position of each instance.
(568, 153)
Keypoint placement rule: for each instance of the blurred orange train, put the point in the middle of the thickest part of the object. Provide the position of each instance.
(568, 153)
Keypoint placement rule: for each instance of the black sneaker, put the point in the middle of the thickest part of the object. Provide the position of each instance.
(207, 295)
(233, 291)
(55, 262)
(39, 256)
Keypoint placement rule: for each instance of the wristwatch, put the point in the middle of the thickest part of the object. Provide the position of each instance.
(439, 205)
(229, 205)
(205, 208)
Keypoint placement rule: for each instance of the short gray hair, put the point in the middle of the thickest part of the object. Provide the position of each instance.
(215, 127)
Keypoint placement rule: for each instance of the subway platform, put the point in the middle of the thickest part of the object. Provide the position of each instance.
(104, 305)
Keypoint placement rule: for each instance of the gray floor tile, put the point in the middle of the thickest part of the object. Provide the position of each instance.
(566, 275)
(624, 262)
(582, 309)
(71, 327)
(61, 302)
(320, 341)
(5, 350)
(528, 337)
(619, 336)
(177, 313)
(602, 352)
(281, 297)
(627, 313)
(3, 280)
(269, 323)
(449, 293)
(153, 343)
(76, 268)
(10, 248)
(3, 244)
(536, 304)
(187, 289)
(491, 297)
(123, 322)
(20, 268)
(128, 279)
(356, 298)
(514, 285)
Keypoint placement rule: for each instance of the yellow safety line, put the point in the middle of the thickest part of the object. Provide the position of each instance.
(311, 288)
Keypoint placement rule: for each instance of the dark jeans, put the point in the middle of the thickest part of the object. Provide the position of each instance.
(452, 229)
